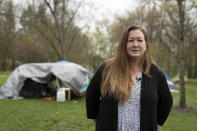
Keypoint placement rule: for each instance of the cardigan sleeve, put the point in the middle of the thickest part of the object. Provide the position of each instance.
(93, 94)
(165, 100)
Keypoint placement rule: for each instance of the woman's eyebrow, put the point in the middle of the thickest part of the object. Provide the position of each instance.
(135, 37)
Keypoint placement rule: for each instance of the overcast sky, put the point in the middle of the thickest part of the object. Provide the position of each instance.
(116, 5)
(108, 8)
(104, 8)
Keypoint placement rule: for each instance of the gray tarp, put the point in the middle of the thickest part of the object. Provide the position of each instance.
(72, 76)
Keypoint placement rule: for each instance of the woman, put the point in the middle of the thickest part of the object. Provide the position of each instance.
(128, 92)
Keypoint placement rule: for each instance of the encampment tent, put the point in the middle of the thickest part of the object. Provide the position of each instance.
(71, 75)
(170, 83)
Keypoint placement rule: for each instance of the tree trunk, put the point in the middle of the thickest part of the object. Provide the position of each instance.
(13, 65)
(182, 81)
(3, 65)
(188, 65)
(195, 71)
(182, 102)
(189, 72)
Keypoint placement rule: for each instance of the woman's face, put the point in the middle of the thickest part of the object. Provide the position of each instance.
(136, 45)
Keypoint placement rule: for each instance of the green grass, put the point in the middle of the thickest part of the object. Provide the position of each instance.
(180, 121)
(5, 73)
(42, 115)
(183, 120)
(192, 80)
(191, 97)
(3, 77)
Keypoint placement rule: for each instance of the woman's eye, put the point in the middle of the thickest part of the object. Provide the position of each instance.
(140, 40)
(130, 40)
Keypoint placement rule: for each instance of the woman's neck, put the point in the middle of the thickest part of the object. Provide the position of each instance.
(135, 66)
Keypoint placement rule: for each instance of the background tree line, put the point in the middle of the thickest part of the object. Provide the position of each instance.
(42, 31)
(47, 31)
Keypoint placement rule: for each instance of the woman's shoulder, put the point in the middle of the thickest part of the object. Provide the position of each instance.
(155, 69)
(101, 66)
(105, 64)
(156, 72)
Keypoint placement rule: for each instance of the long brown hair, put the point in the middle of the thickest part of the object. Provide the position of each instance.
(116, 76)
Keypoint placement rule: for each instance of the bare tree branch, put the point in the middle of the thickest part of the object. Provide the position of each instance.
(53, 46)
(72, 17)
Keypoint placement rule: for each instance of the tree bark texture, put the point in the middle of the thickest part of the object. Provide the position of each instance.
(181, 7)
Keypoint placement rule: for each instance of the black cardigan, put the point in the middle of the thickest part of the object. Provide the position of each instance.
(156, 102)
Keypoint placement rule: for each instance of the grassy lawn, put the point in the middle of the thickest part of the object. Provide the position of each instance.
(3, 77)
(42, 115)
(183, 120)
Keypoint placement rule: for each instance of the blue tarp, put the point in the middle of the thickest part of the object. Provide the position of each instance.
(170, 83)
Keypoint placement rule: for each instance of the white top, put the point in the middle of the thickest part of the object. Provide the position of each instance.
(129, 113)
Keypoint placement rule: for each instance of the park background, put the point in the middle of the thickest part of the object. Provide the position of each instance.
(84, 33)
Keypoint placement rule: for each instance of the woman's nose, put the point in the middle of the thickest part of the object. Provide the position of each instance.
(135, 43)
